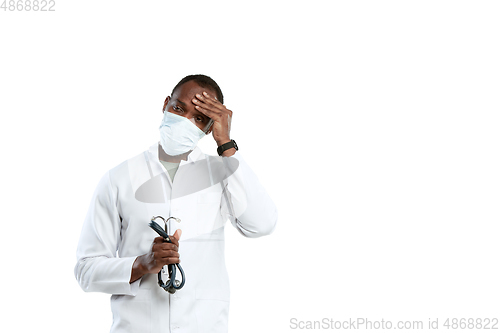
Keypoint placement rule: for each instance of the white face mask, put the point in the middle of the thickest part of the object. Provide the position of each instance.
(178, 134)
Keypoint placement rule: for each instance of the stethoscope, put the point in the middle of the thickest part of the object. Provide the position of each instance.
(172, 284)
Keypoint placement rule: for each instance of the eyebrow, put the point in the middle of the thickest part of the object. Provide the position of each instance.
(181, 102)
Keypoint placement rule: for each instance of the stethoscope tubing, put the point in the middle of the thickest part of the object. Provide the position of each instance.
(171, 286)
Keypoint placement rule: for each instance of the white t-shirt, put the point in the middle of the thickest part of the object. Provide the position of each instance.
(171, 168)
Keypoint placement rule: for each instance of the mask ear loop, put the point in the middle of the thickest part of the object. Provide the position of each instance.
(210, 123)
(172, 284)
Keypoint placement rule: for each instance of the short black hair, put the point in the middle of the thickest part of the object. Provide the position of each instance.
(203, 81)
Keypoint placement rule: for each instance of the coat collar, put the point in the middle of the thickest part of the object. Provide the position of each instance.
(195, 155)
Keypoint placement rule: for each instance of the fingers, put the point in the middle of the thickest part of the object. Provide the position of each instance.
(214, 102)
(174, 241)
(175, 238)
(208, 112)
(159, 244)
(163, 253)
(166, 254)
(206, 104)
(158, 240)
(160, 262)
(177, 234)
(165, 247)
(207, 99)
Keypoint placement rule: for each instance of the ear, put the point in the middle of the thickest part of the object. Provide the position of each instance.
(165, 103)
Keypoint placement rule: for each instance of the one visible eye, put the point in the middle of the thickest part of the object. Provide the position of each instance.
(176, 108)
(200, 119)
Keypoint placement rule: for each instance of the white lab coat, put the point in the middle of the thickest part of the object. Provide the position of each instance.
(207, 190)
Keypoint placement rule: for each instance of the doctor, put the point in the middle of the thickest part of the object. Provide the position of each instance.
(120, 255)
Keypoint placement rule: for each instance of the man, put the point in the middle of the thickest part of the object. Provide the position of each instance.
(118, 253)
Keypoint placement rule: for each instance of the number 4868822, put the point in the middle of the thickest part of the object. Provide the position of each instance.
(28, 5)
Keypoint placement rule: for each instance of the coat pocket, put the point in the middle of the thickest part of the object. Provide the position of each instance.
(132, 313)
(212, 309)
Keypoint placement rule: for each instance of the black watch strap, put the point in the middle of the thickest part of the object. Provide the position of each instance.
(226, 146)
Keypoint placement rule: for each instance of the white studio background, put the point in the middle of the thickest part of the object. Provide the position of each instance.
(372, 124)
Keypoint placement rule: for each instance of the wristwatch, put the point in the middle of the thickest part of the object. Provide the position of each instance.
(226, 146)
